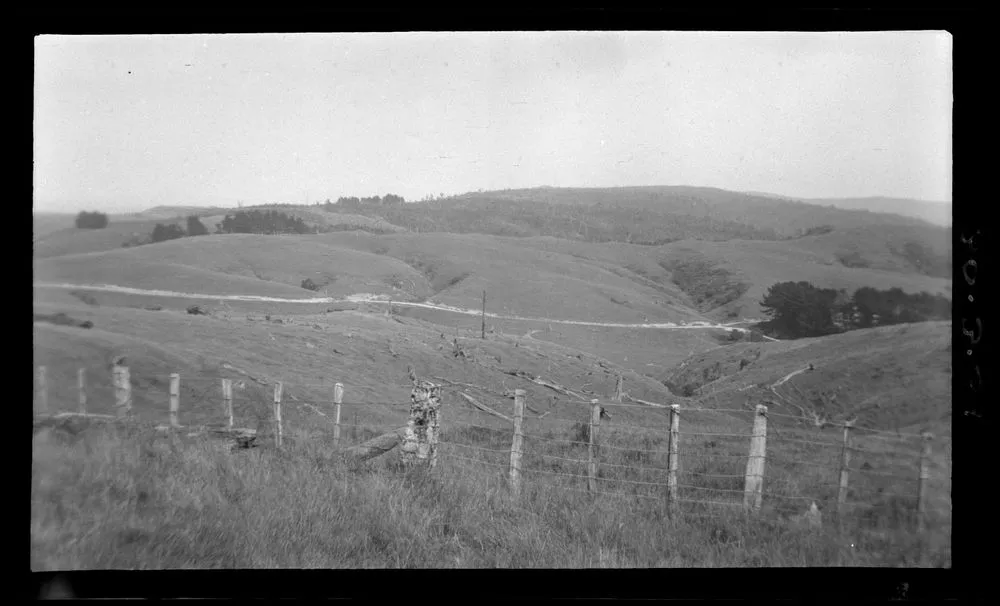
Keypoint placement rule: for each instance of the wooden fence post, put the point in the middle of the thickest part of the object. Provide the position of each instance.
(673, 452)
(227, 401)
(845, 462)
(277, 414)
(175, 398)
(123, 390)
(595, 422)
(338, 398)
(925, 475)
(81, 389)
(482, 333)
(752, 491)
(43, 391)
(618, 388)
(515, 445)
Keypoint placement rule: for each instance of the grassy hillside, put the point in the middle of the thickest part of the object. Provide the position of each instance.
(891, 377)
(748, 269)
(135, 498)
(73, 241)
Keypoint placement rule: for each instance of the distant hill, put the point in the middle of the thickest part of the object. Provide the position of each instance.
(936, 213)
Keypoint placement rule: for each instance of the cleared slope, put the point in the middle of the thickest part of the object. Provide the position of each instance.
(892, 376)
(237, 264)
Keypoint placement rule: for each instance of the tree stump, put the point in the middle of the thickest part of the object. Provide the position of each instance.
(420, 437)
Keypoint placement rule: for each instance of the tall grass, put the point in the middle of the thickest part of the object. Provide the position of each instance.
(130, 497)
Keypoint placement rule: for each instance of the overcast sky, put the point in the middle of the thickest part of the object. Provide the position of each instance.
(129, 122)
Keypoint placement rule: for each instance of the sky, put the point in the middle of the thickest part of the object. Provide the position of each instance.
(124, 123)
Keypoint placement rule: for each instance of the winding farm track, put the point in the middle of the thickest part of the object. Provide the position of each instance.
(375, 300)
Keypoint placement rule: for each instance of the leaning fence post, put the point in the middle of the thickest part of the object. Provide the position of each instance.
(227, 400)
(595, 422)
(81, 389)
(123, 390)
(845, 462)
(752, 491)
(925, 475)
(673, 452)
(175, 398)
(515, 445)
(618, 389)
(43, 391)
(338, 398)
(277, 414)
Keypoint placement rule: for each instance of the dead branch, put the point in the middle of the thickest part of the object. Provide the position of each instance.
(544, 383)
(484, 407)
(480, 388)
(626, 396)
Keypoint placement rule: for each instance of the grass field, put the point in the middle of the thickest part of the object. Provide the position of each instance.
(130, 496)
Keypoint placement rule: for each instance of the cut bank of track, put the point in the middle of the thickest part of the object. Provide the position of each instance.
(377, 300)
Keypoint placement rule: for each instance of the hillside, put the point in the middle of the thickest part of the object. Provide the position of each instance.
(786, 217)
(890, 377)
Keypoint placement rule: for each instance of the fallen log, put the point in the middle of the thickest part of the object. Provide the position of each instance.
(544, 383)
(375, 447)
(484, 407)
(626, 396)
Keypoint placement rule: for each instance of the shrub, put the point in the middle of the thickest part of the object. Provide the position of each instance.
(195, 227)
(91, 220)
(308, 284)
(162, 232)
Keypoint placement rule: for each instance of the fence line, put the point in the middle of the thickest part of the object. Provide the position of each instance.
(757, 478)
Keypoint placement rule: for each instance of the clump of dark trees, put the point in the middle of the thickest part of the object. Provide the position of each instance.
(94, 220)
(262, 222)
(171, 231)
(799, 309)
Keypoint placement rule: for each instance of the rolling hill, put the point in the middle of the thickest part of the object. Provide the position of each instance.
(889, 377)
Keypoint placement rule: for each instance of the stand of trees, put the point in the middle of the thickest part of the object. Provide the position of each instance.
(799, 309)
(257, 222)
(353, 203)
(94, 220)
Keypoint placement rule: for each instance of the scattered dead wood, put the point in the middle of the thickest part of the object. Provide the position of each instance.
(626, 396)
(544, 383)
(479, 387)
(509, 393)
(484, 407)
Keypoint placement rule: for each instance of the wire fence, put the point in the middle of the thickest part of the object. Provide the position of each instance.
(685, 468)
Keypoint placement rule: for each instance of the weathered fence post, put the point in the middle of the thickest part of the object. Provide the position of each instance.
(421, 433)
(227, 401)
(123, 390)
(81, 390)
(845, 462)
(753, 487)
(595, 422)
(673, 454)
(338, 398)
(618, 388)
(43, 391)
(175, 398)
(482, 330)
(277, 414)
(925, 475)
(516, 443)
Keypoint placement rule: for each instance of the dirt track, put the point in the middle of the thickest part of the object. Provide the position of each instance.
(371, 299)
